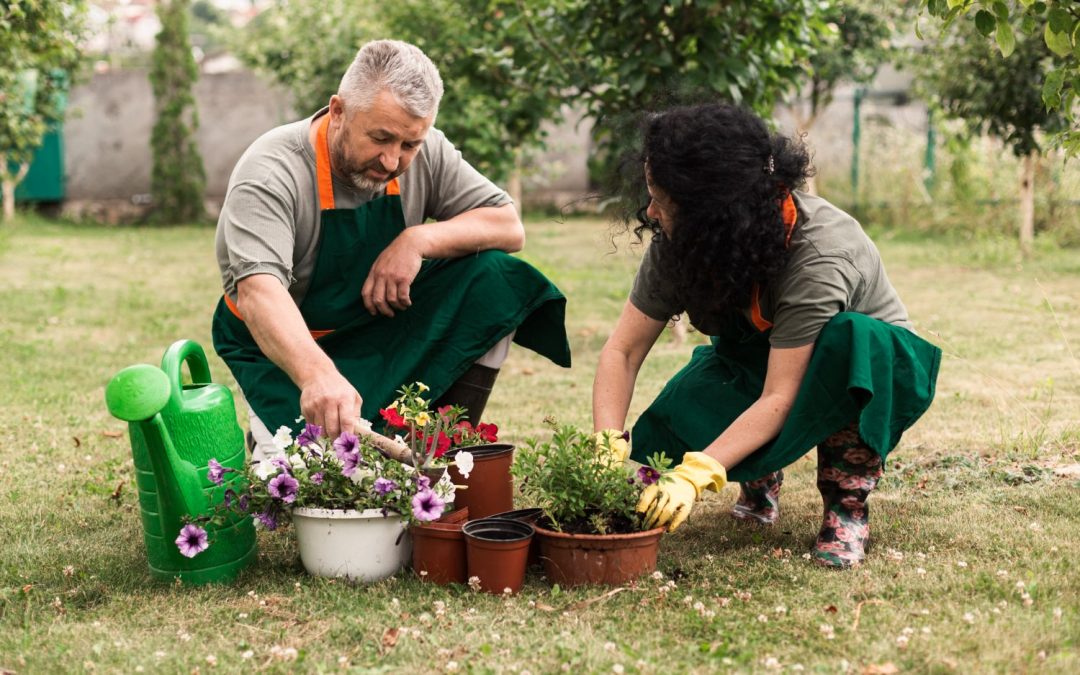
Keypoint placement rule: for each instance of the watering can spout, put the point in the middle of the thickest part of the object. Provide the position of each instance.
(137, 395)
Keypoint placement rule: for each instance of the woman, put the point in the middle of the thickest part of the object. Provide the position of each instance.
(810, 342)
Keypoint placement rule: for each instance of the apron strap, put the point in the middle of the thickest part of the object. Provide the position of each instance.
(315, 334)
(323, 168)
(790, 216)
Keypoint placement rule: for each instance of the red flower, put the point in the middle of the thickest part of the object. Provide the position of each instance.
(488, 432)
(441, 446)
(393, 418)
(462, 430)
(445, 409)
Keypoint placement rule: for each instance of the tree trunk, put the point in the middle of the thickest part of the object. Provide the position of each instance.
(1027, 203)
(513, 185)
(9, 199)
(9, 184)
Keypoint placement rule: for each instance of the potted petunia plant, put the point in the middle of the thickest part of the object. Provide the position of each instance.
(349, 503)
(589, 531)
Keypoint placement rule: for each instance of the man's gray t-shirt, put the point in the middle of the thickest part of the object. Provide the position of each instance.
(834, 267)
(269, 223)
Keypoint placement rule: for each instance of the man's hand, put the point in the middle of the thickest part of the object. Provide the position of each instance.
(669, 502)
(388, 283)
(613, 444)
(331, 402)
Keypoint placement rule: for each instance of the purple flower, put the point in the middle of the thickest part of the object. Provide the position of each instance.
(384, 486)
(309, 436)
(192, 541)
(216, 472)
(282, 463)
(349, 464)
(243, 503)
(427, 506)
(283, 487)
(648, 475)
(268, 519)
(317, 478)
(423, 482)
(346, 444)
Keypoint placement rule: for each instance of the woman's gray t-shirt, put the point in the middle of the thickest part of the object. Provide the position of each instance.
(834, 267)
(269, 223)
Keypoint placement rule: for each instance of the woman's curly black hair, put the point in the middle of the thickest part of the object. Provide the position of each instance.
(726, 176)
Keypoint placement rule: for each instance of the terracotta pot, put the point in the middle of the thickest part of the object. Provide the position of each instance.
(529, 516)
(497, 551)
(575, 559)
(490, 488)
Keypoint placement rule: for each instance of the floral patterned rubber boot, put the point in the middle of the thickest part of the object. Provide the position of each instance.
(759, 500)
(848, 470)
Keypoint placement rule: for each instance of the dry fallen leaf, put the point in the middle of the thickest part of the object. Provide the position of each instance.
(389, 638)
(831, 609)
(544, 608)
(888, 668)
(112, 434)
(77, 441)
(1068, 471)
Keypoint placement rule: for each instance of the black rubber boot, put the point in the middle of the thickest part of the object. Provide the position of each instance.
(471, 391)
(848, 471)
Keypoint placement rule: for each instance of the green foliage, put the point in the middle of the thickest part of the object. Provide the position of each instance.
(575, 485)
(509, 65)
(857, 42)
(178, 179)
(39, 56)
(307, 46)
(1054, 23)
(1001, 97)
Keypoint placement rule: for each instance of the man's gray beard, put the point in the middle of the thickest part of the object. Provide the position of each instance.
(366, 184)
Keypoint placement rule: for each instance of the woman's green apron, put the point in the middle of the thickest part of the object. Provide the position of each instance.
(861, 369)
(460, 309)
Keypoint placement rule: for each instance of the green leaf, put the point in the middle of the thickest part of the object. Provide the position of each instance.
(1005, 38)
(1001, 10)
(1051, 91)
(955, 3)
(985, 22)
(1060, 20)
(1058, 43)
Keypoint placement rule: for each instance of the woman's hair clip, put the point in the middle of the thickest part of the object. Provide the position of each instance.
(771, 166)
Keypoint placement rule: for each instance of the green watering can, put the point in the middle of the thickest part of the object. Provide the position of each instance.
(175, 430)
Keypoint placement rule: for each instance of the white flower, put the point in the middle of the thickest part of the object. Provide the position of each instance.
(902, 641)
(283, 438)
(464, 462)
(421, 387)
(363, 424)
(265, 470)
(618, 668)
(297, 462)
(969, 617)
(360, 474)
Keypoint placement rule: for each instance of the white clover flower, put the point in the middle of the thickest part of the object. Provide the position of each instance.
(464, 461)
(609, 646)
(961, 564)
(283, 438)
(827, 631)
(969, 617)
(902, 641)
(658, 575)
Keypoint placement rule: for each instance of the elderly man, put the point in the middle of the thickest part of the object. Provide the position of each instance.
(338, 289)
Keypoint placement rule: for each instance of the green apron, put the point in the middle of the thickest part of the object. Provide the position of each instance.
(862, 368)
(460, 309)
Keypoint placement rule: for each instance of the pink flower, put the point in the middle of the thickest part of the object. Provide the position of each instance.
(855, 483)
(858, 455)
(831, 474)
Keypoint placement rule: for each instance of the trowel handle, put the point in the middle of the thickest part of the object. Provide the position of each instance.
(175, 356)
(387, 446)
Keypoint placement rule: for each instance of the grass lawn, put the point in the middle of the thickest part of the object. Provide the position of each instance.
(976, 525)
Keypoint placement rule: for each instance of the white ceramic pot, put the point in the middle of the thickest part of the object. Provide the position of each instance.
(360, 545)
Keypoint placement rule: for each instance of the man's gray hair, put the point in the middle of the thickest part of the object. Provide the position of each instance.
(397, 66)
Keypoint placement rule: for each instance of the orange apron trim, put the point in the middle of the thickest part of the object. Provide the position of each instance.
(324, 178)
(791, 216)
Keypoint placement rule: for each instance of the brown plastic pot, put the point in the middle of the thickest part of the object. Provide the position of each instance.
(489, 487)
(457, 516)
(612, 559)
(497, 551)
(438, 554)
(529, 516)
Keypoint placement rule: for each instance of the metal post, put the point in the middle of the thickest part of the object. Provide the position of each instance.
(856, 133)
(929, 161)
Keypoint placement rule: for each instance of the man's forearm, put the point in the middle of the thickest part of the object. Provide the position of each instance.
(278, 328)
(482, 229)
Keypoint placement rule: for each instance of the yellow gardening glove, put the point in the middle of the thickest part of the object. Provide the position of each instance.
(669, 501)
(612, 443)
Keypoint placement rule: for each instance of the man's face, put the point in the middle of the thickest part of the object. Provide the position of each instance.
(372, 147)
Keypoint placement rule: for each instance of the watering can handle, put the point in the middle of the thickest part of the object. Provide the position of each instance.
(175, 356)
